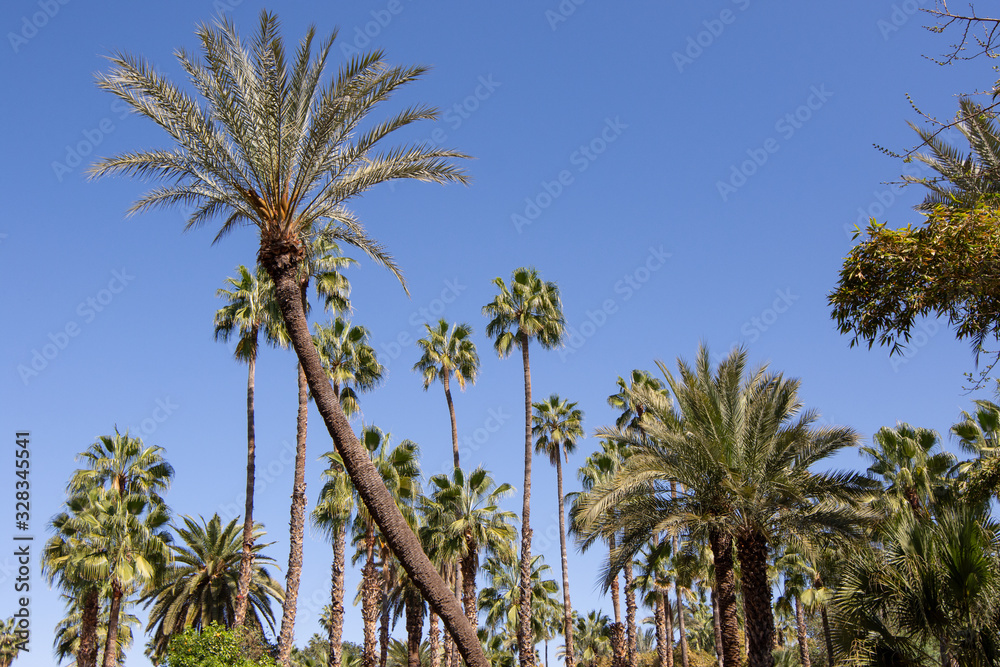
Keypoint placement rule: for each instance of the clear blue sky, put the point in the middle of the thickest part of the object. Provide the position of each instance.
(684, 171)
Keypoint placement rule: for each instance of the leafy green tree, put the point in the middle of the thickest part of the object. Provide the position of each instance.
(250, 310)
(202, 585)
(740, 448)
(446, 353)
(557, 424)
(979, 434)
(593, 637)
(527, 309)
(913, 476)
(268, 145)
(215, 646)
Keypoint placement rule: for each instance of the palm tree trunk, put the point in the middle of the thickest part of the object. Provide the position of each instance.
(383, 642)
(449, 644)
(433, 641)
(111, 643)
(86, 655)
(717, 626)
(470, 565)
(296, 523)
(725, 582)
(664, 633)
(800, 622)
(525, 643)
(451, 412)
(279, 258)
(246, 561)
(681, 630)
(759, 617)
(567, 607)
(414, 628)
(369, 601)
(630, 609)
(614, 589)
(337, 597)
(828, 636)
(619, 651)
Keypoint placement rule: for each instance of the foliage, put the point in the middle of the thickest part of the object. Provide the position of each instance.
(10, 641)
(214, 646)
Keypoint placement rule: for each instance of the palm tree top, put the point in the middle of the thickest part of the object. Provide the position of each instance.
(557, 424)
(448, 351)
(266, 143)
(528, 307)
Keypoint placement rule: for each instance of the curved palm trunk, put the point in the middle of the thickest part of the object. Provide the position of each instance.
(279, 259)
(86, 655)
(525, 642)
(664, 633)
(470, 564)
(337, 597)
(800, 623)
(752, 550)
(414, 628)
(630, 609)
(433, 640)
(445, 380)
(246, 561)
(296, 523)
(111, 643)
(725, 588)
(567, 607)
(369, 601)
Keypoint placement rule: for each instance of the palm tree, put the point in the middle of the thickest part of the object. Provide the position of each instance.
(349, 359)
(202, 587)
(68, 633)
(118, 512)
(527, 309)
(11, 642)
(249, 309)
(979, 434)
(445, 353)
(288, 167)
(399, 469)
(912, 475)
(654, 584)
(469, 505)
(332, 515)
(557, 425)
(501, 600)
(734, 447)
(593, 637)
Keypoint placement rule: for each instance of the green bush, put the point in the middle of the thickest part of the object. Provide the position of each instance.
(216, 646)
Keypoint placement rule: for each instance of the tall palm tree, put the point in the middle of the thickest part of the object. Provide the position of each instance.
(250, 309)
(469, 505)
(446, 353)
(528, 309)
(119, 513)
(268, 145)
(202, 587)
(332, 515)
(349, 359)
(740, 448)
(557, 426)
(902, 459)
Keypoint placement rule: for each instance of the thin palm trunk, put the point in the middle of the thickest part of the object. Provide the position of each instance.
(717, 626)
(414, 628)
(525, 643)
(111, 643)
(433, 640)
(470, 565)
(567, 607)
(664, 632)
(451, 412)
(828, 636)
(725, 581)
(756, 589)
(369, 601)
(449, 643)
(614, 588)
(800, 623)
(681, 630)
(630, 609)
(278, 258)
(296, 524)
(246, 561)
(383, 641)
(87, 653)
(337, 596)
